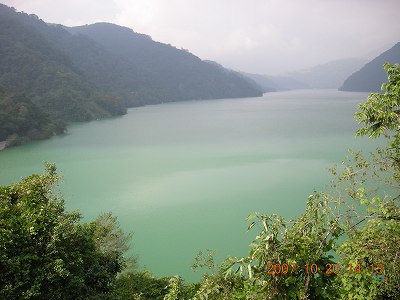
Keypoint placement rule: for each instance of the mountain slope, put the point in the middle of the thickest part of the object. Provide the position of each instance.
(30, 64)
(329, 75)
(265, 84)
(271, 83)
(151, 72)
(370, 77)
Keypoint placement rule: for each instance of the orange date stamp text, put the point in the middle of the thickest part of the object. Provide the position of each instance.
(328, 269)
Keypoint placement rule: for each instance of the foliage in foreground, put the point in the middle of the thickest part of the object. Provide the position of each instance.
(346, 243)
(46, 253)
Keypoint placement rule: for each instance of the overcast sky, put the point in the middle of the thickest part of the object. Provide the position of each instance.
(258, 36)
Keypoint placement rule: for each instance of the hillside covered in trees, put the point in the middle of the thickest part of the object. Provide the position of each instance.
(52, 88)
(95, 71)
(370, 77)
(151, 72)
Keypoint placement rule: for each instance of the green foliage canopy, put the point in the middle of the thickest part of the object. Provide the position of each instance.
(46, 253)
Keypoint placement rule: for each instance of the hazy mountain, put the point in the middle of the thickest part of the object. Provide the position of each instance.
(286, 83)
(151, 72)
(264, 83)
(325, 76)
(247, 77)
(329, 75)
(269, 83)
(273, 83)
(370, 77)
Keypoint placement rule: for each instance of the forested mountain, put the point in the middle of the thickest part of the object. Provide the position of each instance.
(146, 71)
(30, 63)
(370, 77)
(41, 87)
(22, 120)
(89, 72)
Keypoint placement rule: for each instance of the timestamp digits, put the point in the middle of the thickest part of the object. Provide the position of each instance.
(328, 269)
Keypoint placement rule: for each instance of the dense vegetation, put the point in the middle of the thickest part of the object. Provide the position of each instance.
(344, 246)
(41, 88)
(150, 72)
(21, 120)
(46, 253)
(32, 68)
(96, 71)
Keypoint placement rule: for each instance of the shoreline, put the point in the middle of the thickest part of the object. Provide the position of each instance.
(3, 145)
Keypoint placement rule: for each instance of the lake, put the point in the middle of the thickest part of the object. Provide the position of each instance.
(182, 177)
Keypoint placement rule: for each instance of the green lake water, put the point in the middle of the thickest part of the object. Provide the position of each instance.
(182, 177)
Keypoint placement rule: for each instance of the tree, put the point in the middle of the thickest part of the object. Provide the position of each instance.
(345, 244)
(373, 240)
(21, 120)
(46, 252)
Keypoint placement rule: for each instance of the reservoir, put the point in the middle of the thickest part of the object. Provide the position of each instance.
(182, 177)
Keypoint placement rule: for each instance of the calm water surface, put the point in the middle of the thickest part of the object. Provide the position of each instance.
(183, 176)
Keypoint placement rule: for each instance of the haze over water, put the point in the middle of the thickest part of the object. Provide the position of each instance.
(183, 176)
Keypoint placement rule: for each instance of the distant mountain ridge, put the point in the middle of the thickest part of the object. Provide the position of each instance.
(266, 84)
(325, 76)
(370, 77)
(329, 75)
(94, 71)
